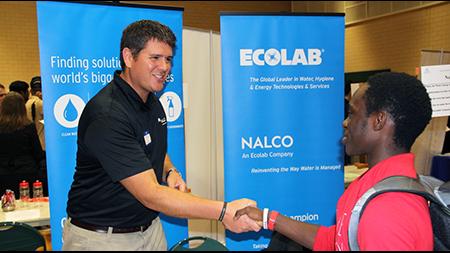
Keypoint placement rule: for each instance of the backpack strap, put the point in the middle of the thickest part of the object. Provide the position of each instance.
(33, 111)
(390, 184)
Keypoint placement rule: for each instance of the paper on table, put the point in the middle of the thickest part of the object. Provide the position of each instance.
(19, 215)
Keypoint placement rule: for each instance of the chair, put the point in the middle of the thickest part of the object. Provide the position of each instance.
(17, 236)
(440, 167)
(208, 244)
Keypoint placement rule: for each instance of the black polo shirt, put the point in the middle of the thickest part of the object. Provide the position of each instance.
(118, 136)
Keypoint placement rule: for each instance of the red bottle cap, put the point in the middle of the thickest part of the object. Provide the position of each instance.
(23, 184)
(37, 183)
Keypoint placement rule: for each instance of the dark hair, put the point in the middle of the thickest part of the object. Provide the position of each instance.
(406, 100)
(136, 35)
(21, 87)
(35, 84)
(13, 115)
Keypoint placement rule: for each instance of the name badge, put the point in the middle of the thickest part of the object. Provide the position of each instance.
(147, 138)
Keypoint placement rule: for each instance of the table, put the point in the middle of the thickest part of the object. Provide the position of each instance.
(440, 167)
(34, 214)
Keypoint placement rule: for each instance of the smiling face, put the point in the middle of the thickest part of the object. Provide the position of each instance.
(357, 135)
(147, 71)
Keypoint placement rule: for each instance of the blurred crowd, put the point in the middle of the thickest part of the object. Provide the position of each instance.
(22, 141)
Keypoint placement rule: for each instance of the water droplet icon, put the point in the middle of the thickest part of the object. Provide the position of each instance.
(171, 107)
(70, 112)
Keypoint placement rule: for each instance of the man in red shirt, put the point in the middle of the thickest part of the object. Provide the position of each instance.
(385, 117)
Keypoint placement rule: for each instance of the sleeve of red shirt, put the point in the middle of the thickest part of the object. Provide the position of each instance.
(324, 240)
(396, 221)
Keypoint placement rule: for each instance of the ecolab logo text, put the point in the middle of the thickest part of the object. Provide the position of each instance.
(273, 57)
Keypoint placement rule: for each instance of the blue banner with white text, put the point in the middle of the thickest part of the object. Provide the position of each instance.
(283, 99)
(79, 51)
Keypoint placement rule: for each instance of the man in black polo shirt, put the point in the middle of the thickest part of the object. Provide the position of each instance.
(116, 195)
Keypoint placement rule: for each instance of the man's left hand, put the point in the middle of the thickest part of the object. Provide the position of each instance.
(175, 181)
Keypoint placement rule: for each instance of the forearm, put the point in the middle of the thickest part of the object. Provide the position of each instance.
(145, 188)
(182, 205)
(302, 233)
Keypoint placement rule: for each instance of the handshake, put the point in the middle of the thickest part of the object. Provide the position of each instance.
(242, 215)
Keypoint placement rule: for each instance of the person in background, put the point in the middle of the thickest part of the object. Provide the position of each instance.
(2, 93)
(20, 150)
(386, 115)
(446, 146)
(118, 192)
(35, 110)
(22, 88)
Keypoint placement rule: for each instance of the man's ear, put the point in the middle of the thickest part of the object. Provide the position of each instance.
(380, 119)
(127, 57)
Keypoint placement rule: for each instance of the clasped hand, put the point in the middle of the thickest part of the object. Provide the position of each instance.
(242, 223)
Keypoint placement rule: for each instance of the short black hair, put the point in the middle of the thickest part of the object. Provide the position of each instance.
(136, 35)
(19, 86)
(406, 100)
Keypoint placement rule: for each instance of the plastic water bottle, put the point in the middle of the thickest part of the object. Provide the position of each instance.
(24, 192)
(38, 192)
(171, 107)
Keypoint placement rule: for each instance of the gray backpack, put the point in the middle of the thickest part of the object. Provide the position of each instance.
(434, 190)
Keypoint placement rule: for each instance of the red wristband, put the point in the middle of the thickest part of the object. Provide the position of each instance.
(272, 219)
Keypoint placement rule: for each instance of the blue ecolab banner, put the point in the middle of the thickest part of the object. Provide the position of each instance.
(79, 51)
(283, 99)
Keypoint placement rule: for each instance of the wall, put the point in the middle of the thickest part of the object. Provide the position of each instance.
(19, 51)
(205, 14)
(395, 41)
(356, 11)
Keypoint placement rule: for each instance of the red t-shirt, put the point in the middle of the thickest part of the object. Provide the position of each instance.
(391, 221)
